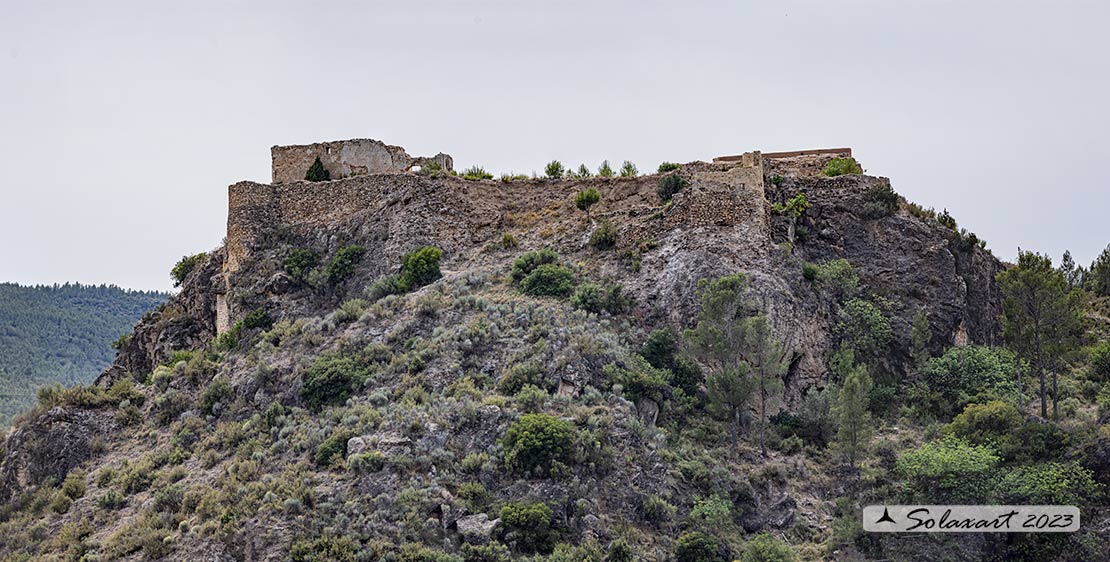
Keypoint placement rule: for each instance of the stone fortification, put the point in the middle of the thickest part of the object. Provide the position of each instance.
(348, 158)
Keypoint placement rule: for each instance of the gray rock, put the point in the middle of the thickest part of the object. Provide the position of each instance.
(477, 529)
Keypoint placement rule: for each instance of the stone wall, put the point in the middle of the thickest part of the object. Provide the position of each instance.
(347, 158)
(795, 163)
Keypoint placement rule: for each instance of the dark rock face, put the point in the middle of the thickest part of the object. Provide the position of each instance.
(48, 446)
(187, 321)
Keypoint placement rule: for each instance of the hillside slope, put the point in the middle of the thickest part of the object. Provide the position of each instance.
(347, 412)
(60, 334)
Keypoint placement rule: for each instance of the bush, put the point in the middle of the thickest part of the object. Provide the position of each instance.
(216, 392)
(968, 374)
(628, 170)
(554, 170)
(595, 298)
(384, 286)
(535, 441)
(949, 470)
(334, 449)
(491, 552)
(604, 236)
(1100, 362)
(583, 171)
(766, 548)
(529, 261)
(994, 423)
(668, 167)
(299, 263)
(661, 349)
(838, 277)
(863, 327)
(74, 484)
(183, 268)
(880, 201)
(809, 271)
(331, 380)
(548, 280)
(696, 547)
(640, 380)
(530, 523)
(841, 166)
(669, 185)
(420, 267)
(586, 198)
(317, 171)
(508, 241)
(605, 171)
(656, 509)
(363, 463)
(712, 513)
(476, 173)
(342, 264)
(1050, 483)
(324, 549)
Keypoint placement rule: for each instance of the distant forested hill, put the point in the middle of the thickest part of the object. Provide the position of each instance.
(60, 334)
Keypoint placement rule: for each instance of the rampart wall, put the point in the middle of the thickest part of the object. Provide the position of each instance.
(343, 159)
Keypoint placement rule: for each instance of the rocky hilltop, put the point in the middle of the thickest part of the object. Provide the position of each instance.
(212, 435)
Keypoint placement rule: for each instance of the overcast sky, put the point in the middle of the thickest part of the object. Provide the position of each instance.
(122, 123)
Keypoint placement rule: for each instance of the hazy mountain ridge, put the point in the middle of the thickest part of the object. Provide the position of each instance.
(61, 334)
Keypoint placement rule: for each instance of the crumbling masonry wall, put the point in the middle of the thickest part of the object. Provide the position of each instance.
(343, 159)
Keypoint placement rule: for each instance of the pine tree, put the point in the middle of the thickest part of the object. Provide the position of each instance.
(317, 172)
(767, 364)
(852, 415)
(1040, 316)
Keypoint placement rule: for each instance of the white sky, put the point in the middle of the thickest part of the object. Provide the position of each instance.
(122, 123)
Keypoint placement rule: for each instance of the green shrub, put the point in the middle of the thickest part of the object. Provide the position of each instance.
(490, 552)
(74, 484)
(183, 268)
(605, 171)
(529, 261)
(331, 379)
(342, 264)
(363, 463)
(384, 286)
(1100, 362)
(111, 500)
(529, 523)
(550, 280)
(585, 199)
(517, 376)
(839, 277)
(949, 470)
(656, 509)
(216, 392)
(994, 423)
(696, 547)
(420, 267)
(946, 220)
(628, 170)
(535, 441)
(604, 236)
(583, 172)
(712, 513)
(863, 327)
(879, 201)
(640, 380)
(324, 549)
(766, 548)
(1050, 483)
(554, 170)
(809, 271)
(317, 171)
(334, 449)
(668, 167)
(258, 319)
(299, 263)
(841, 166)
(619, 551)
(661, 350)
(595, 298)
(508, 241)
(476, 173)
(669, 185)
(968, 374)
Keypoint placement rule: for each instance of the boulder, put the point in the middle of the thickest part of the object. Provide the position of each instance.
(477, 529)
